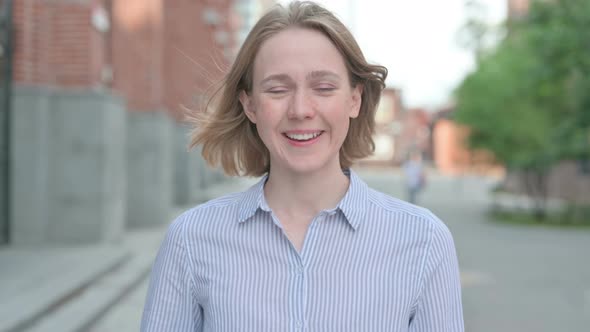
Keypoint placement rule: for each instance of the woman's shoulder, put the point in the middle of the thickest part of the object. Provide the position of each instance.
(225, 208)
(220, 209)
(396, 209)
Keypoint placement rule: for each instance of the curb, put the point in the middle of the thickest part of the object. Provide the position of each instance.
(81, 313)
(24, 315)
(515, 202)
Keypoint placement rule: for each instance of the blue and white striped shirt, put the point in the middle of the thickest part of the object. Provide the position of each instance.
(374, 263)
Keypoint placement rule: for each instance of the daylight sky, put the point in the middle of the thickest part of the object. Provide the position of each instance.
(416, 40)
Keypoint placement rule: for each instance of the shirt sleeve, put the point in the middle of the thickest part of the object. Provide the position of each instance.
(438, 307)
(170, 303)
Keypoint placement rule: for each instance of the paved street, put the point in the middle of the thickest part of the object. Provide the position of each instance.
(515, 278)
(126, 316)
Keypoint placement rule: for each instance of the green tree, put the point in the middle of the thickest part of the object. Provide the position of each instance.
(528, 101)
(560, 33)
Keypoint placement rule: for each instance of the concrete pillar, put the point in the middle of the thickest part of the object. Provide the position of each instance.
(68, 162)
(190, 178)
(149, 168)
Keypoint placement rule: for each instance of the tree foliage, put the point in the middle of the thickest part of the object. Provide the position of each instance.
(529, 100)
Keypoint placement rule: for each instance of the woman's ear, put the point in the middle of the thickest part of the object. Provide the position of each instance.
(247, 105)
(357, 100)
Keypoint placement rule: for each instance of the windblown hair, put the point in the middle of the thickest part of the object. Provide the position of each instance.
(229, 138)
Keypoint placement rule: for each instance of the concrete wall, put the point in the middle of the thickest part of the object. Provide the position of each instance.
(4, 165)
(192, 176)
(190, 173)
(150, 167)
(68, 162)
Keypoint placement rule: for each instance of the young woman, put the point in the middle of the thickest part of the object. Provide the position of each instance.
(310, 247)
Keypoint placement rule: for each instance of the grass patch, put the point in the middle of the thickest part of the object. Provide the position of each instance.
(572, 216)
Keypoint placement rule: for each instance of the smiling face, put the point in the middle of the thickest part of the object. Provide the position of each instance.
(301, 101)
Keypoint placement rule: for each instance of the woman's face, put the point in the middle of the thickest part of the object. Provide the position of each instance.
(301, 101)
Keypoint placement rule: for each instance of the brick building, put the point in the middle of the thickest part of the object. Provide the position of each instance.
(98, 94)
(387, 127)
(415, 134)
(450, 153)
(399, 131)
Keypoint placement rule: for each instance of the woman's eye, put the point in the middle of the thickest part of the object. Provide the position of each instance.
(277, 90)
(325, 88)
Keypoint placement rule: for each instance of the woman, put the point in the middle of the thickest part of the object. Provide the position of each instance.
(310, 247)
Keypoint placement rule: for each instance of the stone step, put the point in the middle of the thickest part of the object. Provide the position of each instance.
(80, 312)
(42, 279)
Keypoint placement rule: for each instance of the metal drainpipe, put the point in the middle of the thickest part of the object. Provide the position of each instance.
(6, 114)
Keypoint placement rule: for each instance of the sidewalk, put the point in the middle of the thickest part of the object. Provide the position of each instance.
(509, 202)
(67, 288)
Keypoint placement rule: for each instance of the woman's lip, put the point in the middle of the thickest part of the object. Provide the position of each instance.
(302, 136)
(302, 131)
(297, 143)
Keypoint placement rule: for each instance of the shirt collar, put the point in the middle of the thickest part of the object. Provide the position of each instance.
(353, 205)
(251, 200)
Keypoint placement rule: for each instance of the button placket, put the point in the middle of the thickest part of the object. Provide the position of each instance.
(301, 296)
(297, 291)
(299, 325)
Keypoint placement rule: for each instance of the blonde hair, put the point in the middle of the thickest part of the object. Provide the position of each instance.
(230, 139)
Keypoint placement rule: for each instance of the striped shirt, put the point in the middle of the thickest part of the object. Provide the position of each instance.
(374, 263)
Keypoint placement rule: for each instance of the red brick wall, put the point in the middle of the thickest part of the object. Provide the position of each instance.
(163, 53)
(193, 59)
(451, 155)
(137, 42)
(55, 44)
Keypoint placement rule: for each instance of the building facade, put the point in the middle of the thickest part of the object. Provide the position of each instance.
(450, 152)
(387, 128)
(100, 90)
(518, 8)
(415, 135)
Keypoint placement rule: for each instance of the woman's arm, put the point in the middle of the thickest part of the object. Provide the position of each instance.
(439, 307)
(171, 304)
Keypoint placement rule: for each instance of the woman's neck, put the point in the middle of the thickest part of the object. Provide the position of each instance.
(305, 194)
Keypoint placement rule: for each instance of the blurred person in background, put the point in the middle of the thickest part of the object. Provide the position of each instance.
(310, 246)
(415, 176)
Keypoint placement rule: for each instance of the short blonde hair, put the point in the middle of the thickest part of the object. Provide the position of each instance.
(229, 138)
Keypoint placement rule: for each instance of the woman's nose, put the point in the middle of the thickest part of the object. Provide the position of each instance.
(301, 106)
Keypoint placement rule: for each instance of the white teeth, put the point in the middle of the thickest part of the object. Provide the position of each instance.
(303, 137)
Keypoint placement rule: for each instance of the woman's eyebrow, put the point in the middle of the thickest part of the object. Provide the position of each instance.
(316, 74)
(276, 77)
(323, 74)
